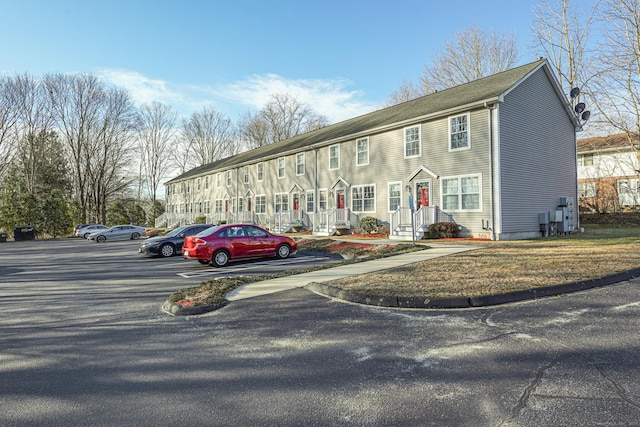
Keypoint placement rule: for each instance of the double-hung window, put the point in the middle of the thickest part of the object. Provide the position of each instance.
(311, 201)
(245, 175)
(395, 195)
(218, 180)
(587, 189)
(300, 164)
(261, 204)
(281, 172)
(282, 202)
(362, 151)
(412, 146)
(229, 177)
(459, 132)
(260, 171)
(334, 157)
(363, 198)
(322, 200)
(461, 193)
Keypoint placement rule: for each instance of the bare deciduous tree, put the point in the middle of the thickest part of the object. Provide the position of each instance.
(281, 118)
(561, 34)
(156, 139)
(96, 125)
(113, 145)
(472, 54)
(8, 122)
(206, 136)
(619, 87)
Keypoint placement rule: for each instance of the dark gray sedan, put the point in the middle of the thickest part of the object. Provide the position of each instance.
(171, 243)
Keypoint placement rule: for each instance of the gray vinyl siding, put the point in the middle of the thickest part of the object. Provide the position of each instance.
(473, 161)
(536, 135)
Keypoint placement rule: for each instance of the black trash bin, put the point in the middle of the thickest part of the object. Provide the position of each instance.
(3, 237)
(25, 232)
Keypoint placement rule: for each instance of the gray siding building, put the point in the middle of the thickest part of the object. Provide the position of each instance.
(497, 156)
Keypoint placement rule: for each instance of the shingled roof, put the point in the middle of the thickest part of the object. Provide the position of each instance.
(488, 89)
(609, 142)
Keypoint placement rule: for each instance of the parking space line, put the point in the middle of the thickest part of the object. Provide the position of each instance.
(253, 266)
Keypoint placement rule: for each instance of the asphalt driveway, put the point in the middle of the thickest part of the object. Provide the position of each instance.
(92, 347)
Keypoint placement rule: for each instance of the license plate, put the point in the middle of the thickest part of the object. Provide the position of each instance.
(186, 253)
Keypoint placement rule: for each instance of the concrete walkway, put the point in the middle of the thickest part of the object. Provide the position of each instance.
(321, 276)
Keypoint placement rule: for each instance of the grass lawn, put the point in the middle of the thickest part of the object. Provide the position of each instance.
(506, 266)
(496, 267)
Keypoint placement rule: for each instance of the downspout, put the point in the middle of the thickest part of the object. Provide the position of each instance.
(491, 173)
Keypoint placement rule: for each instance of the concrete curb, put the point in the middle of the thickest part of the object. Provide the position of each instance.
(468, 302)
(178, 310)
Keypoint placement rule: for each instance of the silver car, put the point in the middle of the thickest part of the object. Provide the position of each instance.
(86, 231)
(118, 232)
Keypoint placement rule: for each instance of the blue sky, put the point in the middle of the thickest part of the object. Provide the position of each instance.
(343, 58)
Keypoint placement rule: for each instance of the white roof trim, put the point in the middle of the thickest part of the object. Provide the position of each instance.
(421, 169)
(338, 179)
(295, 184)
(249, 193)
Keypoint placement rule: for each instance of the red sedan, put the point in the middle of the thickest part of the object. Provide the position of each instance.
(220, 244)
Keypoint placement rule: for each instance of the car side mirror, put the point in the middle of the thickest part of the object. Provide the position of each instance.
(181, 235)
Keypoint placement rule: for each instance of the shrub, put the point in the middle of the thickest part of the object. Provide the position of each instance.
(443, 230)
(368, 224)
(201, 220)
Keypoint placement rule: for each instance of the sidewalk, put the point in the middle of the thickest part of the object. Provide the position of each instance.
(322, 276)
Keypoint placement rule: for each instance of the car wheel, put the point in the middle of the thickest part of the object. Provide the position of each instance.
(220, 258)
(204, 262)
(86, 235)
(135, 236)
(100, 239)
(167, 250)
(283, 251)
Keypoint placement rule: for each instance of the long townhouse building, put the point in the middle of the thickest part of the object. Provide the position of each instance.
(497, 156)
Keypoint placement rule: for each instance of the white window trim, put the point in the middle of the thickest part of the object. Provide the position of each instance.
(306, 200)
(275, 202)
(375, 198)
(366, 139)
(459, 178)
(218, 180)
(245, 175)
(284, 167)
(468, 147)
(258, 177)
(324, 191)
(337, 167)
(229, 178)
(389, 184)
(404, 138)
(255, 204)
(303, 164)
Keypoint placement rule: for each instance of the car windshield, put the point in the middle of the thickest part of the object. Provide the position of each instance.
(208, 231)
(176, 231)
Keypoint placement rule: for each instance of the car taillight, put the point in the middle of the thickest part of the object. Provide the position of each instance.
(199, 242)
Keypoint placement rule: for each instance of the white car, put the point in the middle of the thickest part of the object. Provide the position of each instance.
(118, 232)
(87, 230)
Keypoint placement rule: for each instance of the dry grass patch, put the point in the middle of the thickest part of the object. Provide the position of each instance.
(502, 267)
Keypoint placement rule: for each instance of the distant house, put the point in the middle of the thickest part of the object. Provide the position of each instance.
(608, 172)
(497, 156)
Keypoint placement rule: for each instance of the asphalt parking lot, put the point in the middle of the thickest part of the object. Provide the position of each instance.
(84, 342)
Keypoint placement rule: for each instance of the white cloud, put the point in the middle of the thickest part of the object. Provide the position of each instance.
(328, 97)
